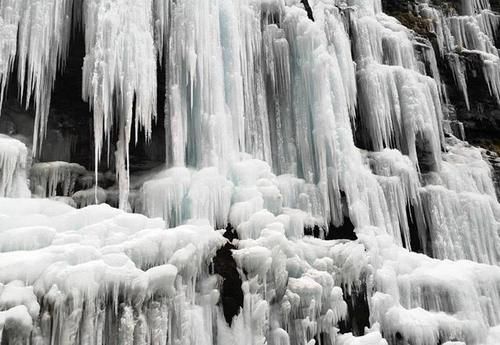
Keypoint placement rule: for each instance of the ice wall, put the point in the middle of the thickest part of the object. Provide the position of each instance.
(276, 126)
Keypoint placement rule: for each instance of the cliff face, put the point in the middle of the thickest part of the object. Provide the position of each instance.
(324, 152)
(479, 111)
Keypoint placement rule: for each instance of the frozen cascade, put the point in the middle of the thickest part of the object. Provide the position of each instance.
(400, 109)
(264, 113)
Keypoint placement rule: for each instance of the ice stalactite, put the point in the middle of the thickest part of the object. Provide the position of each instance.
(119, 76)
(473, 6)
(196, 93)
(324, 136)
(13, 168)
(461, 207)
(54, 178)
(400, 181)
(37, 35)
(458, 218)
(472, 33)
(399, 108)
(10, 14)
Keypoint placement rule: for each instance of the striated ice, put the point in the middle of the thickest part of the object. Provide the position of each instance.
(13, 168)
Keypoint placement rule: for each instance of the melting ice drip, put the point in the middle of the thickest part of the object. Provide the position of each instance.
(261, 103)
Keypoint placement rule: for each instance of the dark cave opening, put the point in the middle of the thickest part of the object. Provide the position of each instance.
(344, 231)
(358, 310)
(69, 135)
(69, 131)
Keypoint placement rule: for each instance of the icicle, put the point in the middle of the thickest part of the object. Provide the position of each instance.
(119, 76)
(38, 34)
(406, 111)
(13, 166)
(163, 196)
(11, 12)
(196, 88)
(46, 178)
(261, 103)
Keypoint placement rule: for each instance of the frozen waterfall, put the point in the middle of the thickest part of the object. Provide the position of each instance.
(314, 188)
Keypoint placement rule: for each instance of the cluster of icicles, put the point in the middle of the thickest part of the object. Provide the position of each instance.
(469, 34)
(260, 106)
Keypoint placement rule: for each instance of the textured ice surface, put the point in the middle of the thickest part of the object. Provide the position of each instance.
(13, 168)
(264, 110)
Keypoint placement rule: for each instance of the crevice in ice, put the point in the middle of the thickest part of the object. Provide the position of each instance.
(308, 9)
(416, 236)
(271, 13)
(315, 231)
(344, 231)
(425, 155)
(358, 310)
(224, 265)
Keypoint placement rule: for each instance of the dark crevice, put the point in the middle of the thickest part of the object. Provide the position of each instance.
(340, 232)
(308, 9)
(425, 153)
(415, 241)
(314, 231)
(224, 265)
(70, 117)
(357, 308)
(344, 231)
(145, 155)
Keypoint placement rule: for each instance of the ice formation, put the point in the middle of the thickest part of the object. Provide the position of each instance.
(46, 178)
(13, 168)
(265, 111)
(472, 32)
